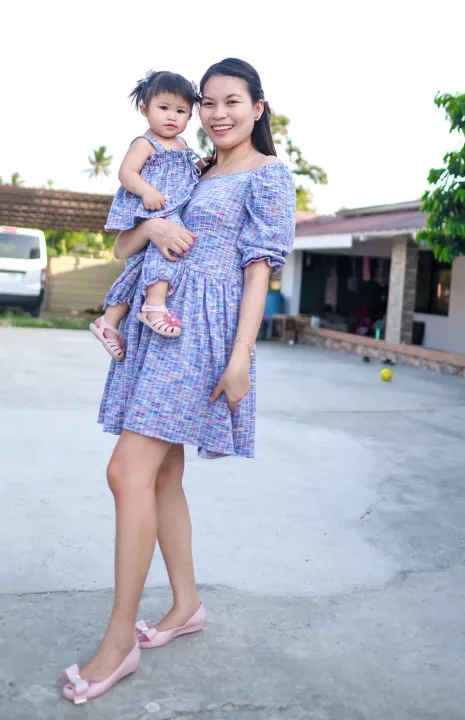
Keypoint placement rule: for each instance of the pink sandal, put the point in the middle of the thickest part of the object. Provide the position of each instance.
(150, 637)
(79, 691)
(168, 325)
(113, 346)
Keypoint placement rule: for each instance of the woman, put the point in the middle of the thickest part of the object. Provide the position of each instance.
(200, 388)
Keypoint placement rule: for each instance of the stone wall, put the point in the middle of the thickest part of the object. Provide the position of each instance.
(402, 290)
(443, 362)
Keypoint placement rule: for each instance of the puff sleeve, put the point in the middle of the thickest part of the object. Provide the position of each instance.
(269, 230)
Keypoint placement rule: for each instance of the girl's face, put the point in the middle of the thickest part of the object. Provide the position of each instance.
(227, 112)
(167, 114)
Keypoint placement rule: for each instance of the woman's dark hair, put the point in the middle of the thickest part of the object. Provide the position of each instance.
(156, 83)
(262, 140)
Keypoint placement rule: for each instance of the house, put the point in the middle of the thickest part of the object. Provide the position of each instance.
(365, 261)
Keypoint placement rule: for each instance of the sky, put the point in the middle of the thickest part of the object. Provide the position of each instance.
(357, 79)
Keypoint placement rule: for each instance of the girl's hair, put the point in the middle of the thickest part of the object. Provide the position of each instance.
(156, 83)
(262, 140)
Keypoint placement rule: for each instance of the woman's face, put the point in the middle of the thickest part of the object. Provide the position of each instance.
(227, 112)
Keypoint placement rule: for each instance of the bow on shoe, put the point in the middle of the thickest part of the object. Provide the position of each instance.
(80, 686)
(174, 320)
(148, 633)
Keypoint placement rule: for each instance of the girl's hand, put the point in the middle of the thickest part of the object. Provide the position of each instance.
(168, 236)
(153, 200)
(234, 383)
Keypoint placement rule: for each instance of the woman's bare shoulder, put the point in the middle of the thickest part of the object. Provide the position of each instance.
(264, 160)
(269, 160)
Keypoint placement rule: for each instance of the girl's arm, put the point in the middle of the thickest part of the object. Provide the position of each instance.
(235, 381)
(129, 175)
(163, 233)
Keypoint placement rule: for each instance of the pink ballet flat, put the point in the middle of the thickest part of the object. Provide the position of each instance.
(151, 637)
(79, 691)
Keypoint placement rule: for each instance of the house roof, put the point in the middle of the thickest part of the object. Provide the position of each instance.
(53, 209)
(379, 220)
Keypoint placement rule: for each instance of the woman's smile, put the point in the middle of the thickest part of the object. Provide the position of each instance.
(221, 129)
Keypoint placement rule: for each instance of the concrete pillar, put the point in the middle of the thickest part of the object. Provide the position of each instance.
(402, 290)
(291, 282)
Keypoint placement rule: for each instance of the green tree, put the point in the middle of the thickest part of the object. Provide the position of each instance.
(305, 171)
(99, 163)
(16, 179)
(299, 165)
(84, 244)
(445, 201)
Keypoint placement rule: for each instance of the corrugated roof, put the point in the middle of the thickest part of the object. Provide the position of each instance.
(53, 209)
(378, 222)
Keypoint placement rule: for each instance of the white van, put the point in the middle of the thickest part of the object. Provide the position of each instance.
(23, 268)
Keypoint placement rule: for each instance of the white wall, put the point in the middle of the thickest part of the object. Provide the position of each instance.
(291, 282)
(448, 333)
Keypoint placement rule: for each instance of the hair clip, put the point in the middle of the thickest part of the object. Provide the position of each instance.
(195, 92)
(145, 79)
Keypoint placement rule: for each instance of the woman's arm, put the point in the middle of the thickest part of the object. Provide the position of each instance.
(235, 381)
(163, 233)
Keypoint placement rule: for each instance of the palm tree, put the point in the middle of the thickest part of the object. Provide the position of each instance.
(99, 163)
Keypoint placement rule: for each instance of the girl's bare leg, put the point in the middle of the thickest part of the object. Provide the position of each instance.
(175, 539)
(113, 315)
(132, 474)
(156, 295)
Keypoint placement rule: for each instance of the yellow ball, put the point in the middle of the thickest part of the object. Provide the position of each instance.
(386, 375)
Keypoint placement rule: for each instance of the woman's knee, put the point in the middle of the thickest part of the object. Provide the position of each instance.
(135, 463)
(115, 475)
(123, 479)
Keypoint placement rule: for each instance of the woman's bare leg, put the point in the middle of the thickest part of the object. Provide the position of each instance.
(132, 473)
(175, 539)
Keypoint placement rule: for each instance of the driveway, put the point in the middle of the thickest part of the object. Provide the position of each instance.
(331, 566)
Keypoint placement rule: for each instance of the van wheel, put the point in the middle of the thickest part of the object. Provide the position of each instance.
(35, 311)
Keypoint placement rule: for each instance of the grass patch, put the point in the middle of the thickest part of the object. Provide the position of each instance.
(58, 323)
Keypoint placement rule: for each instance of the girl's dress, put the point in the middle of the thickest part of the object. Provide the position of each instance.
(161, 389)
(174, 174)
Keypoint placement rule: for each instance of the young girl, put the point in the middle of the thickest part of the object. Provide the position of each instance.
(158, 175)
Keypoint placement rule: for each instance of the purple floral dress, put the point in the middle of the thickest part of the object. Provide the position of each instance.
(174, 174)
(162, 387)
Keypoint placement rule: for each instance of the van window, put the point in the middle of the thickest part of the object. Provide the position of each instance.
(23, 247)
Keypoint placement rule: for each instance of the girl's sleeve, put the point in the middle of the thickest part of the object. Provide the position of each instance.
(269, 230)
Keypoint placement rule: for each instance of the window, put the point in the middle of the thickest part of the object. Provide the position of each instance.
(433, 285)
(24, 247)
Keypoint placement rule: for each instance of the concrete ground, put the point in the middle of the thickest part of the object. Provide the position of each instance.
(332, 566)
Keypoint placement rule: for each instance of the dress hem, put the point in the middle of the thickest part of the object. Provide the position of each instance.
(178, 441)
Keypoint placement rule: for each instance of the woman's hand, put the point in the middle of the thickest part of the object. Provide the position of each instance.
(168, 236)
(235, 382)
